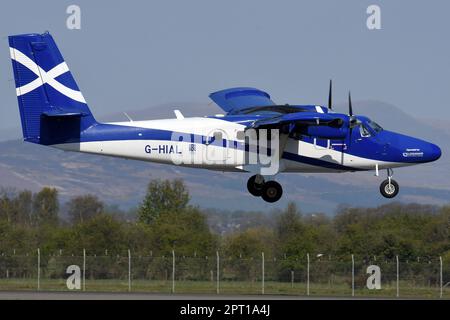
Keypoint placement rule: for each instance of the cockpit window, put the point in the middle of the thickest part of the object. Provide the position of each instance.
(375, 126)
(364, 132)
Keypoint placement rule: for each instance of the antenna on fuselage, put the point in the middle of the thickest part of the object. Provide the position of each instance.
(128, 117)
(178, 114)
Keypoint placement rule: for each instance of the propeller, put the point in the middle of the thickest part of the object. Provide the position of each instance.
(352, 118)
(350, 110)
(330, 93)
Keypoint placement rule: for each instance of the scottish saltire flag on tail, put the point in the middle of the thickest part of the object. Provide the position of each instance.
(46, 90)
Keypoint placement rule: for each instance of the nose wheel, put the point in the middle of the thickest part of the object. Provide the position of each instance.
(389, 188)
(270, 191)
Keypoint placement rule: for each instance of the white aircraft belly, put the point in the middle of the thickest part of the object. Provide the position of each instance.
(163, 151)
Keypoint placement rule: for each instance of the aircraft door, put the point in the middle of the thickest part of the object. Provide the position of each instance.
(216, 146)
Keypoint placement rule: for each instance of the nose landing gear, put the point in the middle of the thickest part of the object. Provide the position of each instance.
(270, 191)
(389, 188)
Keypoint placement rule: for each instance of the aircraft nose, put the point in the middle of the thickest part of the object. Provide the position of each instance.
(420, 151)
(433, 152)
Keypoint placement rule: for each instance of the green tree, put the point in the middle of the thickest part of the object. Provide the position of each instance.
(83, 208)
(46, 207)
(5, 207)
(23, 206)
(15, 208)
(98, 234)
(242, 251)
(185, 231)
(289, 223)
(163, 196)
(293, 237)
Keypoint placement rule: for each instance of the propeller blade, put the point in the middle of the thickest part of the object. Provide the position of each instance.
(330, 93)
(352, 119)
(350, 109)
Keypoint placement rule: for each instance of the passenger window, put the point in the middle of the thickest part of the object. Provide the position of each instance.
(240, 135)
(217, 136)
(214, 137)
(364, 132)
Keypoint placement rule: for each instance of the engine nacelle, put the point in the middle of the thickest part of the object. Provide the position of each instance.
(325, 132)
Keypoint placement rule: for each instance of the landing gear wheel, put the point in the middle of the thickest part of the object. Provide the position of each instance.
(255, 189)
(389, 189)
(272, 191)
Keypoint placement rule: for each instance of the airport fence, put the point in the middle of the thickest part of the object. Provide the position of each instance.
(313, 275)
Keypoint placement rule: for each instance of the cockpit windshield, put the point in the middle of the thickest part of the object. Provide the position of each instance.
(375, 126)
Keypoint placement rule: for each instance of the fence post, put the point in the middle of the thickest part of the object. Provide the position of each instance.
(39, 269)
(292, 279)
(440, 276)
(84, 269)
(398, 277)
(218, 272)
(307, 275)
(129, 270)
(173, 271)
(353, 275)
(262, 256)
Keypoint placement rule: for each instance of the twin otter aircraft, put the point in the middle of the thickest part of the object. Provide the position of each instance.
(254, 135)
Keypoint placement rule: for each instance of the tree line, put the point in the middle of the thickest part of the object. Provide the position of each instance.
(166, 221)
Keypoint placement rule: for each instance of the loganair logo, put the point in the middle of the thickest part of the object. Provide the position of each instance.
(414, 153)
(48, 77)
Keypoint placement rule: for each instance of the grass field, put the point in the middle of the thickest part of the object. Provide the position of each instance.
(229, 287)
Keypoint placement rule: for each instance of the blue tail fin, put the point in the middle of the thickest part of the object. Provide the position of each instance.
(52, 108)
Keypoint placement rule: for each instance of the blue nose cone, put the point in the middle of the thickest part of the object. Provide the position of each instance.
(432, 152)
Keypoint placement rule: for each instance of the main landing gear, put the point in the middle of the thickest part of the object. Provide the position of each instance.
(389, 188)
(270, 191)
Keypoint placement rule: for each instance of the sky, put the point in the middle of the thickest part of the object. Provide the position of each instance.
(136, 54)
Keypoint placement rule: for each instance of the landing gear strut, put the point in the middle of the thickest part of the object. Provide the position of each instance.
(389, 188)
(270, 191)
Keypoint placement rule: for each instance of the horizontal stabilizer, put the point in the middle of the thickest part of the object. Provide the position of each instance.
(62, 113)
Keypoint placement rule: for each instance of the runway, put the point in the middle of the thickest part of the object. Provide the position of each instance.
(64, 295)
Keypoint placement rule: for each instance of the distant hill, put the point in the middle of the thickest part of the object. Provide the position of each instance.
(123, 182)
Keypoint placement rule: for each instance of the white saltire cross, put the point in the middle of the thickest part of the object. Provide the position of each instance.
(44, 77)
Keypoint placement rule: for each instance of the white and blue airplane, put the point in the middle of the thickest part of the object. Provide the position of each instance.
(309, 138)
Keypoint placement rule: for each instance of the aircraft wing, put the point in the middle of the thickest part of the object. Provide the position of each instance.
(301, 119)
(234, 99)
